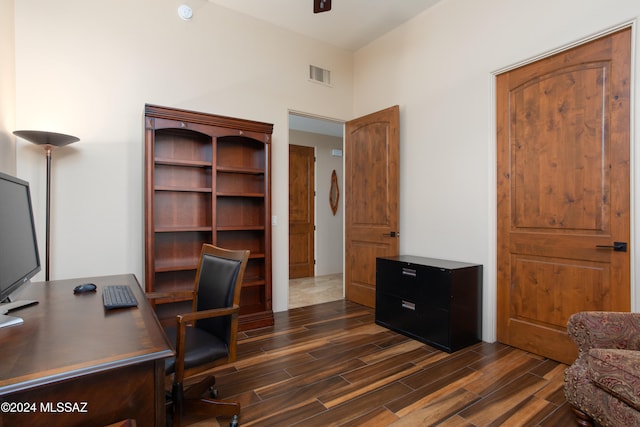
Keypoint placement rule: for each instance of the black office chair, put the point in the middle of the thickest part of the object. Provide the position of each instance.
(206, 337)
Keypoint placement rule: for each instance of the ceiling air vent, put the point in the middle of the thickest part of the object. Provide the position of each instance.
(319, 75)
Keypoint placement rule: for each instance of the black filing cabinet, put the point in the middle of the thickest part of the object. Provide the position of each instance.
(435, 301)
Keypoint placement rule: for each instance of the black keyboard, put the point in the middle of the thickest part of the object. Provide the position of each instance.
(118, 296)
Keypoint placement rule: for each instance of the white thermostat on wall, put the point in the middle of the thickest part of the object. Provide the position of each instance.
(185, 12)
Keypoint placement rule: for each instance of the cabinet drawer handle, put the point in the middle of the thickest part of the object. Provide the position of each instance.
(409, 305)
(409, 272)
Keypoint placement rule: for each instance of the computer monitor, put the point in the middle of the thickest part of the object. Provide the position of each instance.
(19, 256)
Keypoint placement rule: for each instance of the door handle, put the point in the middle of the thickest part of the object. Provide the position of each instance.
(617, 246)
(392, 234)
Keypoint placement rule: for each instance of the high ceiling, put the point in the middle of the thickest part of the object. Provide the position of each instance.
(350, 24)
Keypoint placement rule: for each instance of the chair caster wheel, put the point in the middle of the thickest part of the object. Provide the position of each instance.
(213, 392)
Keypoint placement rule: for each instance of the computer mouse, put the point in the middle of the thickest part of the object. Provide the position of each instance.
(87, 287)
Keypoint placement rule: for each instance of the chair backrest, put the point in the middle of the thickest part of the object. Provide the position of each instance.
(218, 284)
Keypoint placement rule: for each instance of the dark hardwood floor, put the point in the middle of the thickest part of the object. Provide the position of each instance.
(330, 364)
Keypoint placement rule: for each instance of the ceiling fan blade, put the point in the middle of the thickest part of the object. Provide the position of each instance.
(321, 6)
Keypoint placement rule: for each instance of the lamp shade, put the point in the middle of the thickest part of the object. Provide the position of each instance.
(41, 137)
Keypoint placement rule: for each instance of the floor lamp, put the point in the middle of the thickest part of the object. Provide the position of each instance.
(49, 140)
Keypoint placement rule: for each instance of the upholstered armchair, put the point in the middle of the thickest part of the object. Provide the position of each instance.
(603, 384)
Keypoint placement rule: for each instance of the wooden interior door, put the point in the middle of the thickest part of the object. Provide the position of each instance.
(563, 192)
(301, 211)
(372, 187)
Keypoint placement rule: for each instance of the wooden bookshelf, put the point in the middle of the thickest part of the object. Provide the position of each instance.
(207, 180)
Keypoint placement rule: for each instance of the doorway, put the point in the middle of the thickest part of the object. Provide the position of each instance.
(323, 281)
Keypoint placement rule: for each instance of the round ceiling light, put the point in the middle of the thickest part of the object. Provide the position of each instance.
(185, 12)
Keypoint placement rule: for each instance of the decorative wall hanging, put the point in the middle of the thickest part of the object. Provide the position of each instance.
(334, 193)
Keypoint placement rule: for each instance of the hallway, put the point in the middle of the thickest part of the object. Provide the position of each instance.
(315, 290)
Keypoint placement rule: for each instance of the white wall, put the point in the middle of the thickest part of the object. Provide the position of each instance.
(7, 89)
(329, 228)
(439, 68)
(87, 68)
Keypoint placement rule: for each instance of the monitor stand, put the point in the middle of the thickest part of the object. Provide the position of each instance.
(10, 306)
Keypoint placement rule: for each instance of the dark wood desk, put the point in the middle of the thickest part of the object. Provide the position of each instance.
(73, 363)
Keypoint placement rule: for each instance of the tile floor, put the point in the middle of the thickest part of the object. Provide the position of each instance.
(315, 290)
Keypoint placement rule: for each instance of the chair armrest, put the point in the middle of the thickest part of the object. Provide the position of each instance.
(604, 329)
(186, 320)
(616, 372)
(206, 314)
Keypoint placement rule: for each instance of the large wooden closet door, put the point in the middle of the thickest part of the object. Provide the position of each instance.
(372, 186)
(301, 211)
(563, 192)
